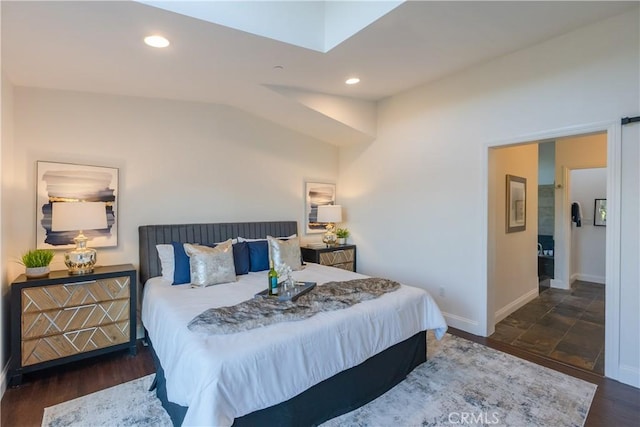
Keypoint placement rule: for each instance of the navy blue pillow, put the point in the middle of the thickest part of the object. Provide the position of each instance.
(181, 272)
(241, 258)
(258, 255)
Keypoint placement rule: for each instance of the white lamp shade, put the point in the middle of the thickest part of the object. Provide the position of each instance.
(329, 213)
(67, 216)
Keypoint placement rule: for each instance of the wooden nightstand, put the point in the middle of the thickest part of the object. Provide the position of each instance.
(340, 256)
(63, 318)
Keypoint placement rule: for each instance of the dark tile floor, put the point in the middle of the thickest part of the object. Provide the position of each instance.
(564, 325)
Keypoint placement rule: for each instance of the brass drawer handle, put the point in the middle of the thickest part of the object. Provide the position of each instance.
(80, 306)
(80, 283)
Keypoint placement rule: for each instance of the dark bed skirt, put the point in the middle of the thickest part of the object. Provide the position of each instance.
(332, 397)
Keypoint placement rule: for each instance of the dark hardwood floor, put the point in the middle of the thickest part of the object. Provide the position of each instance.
(615, 404)
(24, 405)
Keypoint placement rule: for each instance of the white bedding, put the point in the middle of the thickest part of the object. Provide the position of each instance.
(222, 377)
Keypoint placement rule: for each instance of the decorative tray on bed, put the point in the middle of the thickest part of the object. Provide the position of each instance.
(299, 289)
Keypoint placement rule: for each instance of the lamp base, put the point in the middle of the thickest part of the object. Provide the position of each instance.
(82, 259)
(329, 237)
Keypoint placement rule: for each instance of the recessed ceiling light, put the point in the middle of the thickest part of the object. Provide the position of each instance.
(156, 41)
(352, 81)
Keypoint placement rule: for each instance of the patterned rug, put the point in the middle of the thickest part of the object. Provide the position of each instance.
(462, 383)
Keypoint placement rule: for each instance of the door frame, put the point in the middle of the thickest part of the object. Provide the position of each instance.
(612, 263)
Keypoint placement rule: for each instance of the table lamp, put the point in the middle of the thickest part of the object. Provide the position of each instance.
(70, 216)
(330, 214)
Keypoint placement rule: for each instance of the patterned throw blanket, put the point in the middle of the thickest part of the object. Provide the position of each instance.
(259, 312)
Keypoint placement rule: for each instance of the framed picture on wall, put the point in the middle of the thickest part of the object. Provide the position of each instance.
(71, 183)
(317, 194)
(600, 213)
(516, 204)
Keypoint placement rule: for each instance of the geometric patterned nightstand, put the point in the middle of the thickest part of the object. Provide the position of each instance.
(63, 318)
(340, 256)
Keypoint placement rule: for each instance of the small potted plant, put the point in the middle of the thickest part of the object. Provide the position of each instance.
(342, 234)
(37, 262)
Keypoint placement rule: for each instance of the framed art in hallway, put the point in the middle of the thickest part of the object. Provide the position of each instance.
(73, 183)
(317, 194)
(600, 212)
(516, 204)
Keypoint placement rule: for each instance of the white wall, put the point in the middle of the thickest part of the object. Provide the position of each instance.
(589, 151)
(416, 194)
(178, 161)
(6, 168)
(630, 249)
(513, 272)
(588, 242)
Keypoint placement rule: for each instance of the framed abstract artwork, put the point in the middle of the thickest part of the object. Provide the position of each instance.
(317, 194)
(516, 205)
(600, 213)
(71, 183)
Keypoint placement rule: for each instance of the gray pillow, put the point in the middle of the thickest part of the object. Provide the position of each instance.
(211, 266)
(285, 252)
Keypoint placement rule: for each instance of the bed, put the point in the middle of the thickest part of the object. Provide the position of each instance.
(292, 373)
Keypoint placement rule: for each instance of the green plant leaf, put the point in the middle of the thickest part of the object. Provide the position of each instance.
(37, 258)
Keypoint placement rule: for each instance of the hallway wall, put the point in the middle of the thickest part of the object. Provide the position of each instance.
(514, 272)
(588, 242)
(579, 152)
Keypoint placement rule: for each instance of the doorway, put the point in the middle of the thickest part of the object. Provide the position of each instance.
(568, 321)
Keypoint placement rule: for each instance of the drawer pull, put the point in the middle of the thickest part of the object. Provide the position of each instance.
(80, 283)
(80, 306)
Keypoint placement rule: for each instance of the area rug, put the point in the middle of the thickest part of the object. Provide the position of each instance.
(128, 404)
(462, 383)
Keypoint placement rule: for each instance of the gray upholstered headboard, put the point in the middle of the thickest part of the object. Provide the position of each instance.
(205, 234)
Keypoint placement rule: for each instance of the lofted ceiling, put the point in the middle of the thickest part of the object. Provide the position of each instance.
(94, 46)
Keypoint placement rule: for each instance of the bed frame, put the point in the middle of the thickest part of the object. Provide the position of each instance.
(335, 396)
(204, 234)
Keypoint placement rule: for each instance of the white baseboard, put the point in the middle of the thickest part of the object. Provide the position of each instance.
(589, 278)
(516, 304)
(462, 323)
(559, 284)
(629, 375)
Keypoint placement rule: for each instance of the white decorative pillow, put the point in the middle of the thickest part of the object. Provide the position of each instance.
(242, 239)
(211, 266)
(285, 252)
(167, 261)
